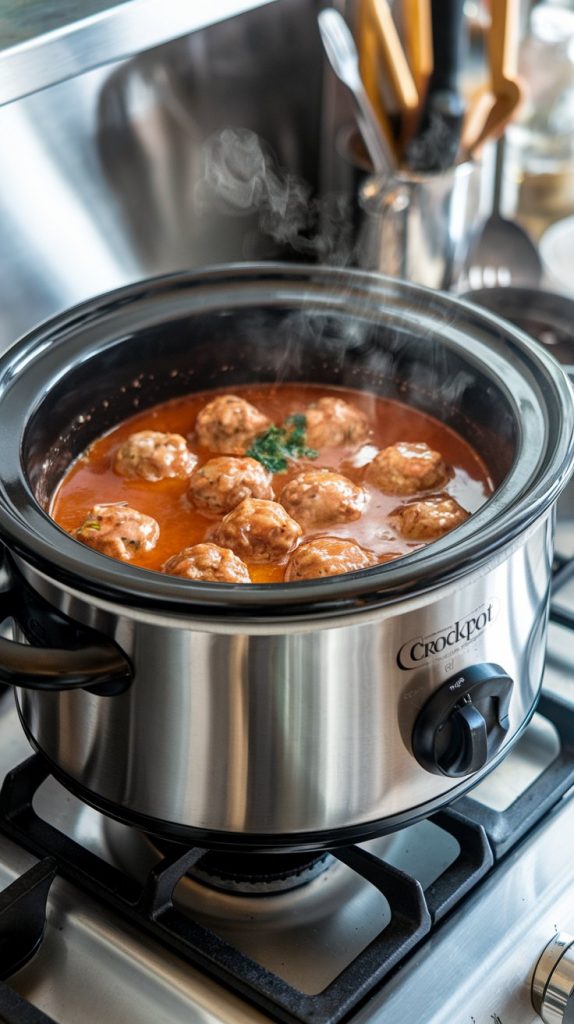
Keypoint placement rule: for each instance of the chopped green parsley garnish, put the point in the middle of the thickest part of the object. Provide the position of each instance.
(278, 445)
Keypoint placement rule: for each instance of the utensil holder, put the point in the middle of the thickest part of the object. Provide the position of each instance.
(421, 227)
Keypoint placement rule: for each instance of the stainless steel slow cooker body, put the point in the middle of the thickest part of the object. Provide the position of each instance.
(273, 716)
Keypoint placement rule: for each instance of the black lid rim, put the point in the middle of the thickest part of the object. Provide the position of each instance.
(32, 535)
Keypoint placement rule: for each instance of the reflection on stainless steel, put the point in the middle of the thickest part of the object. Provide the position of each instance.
(99, 175)
(119, 157)
(565, 524)
(553, 981)
(422, 850)
(300, 721)
(477, 968)
(245, 744)
(307, 936)
(497, 935)
(122, 30)
(146, 984)
(421, 226)
(531, 755)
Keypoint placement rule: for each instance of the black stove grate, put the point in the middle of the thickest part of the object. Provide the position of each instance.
(483, 836)
(150, 908)
(16, 1010)
(505, 828)
(23, 916)
(22, 926)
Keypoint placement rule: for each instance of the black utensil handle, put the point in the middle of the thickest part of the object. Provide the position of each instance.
(96, 664)
(449, 44)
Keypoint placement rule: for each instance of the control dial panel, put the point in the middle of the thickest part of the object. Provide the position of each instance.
(463, 725)
(553, 981)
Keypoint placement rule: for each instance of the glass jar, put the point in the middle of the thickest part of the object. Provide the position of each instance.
(538, 177)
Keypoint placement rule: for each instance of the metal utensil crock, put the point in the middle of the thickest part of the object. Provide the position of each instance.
(287, 715)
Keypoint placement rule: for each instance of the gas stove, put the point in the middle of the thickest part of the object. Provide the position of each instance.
(441, 923)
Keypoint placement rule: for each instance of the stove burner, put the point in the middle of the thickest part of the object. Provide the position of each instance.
(140, 882)
(257, 874)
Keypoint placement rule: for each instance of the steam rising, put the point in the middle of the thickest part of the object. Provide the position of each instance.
(240, 176)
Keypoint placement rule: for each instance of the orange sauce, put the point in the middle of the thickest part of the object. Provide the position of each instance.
(92, 480)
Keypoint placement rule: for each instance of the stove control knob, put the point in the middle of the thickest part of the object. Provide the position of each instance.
(463, 725)
(553, 981)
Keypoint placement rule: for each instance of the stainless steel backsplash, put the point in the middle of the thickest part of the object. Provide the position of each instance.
(203, 150)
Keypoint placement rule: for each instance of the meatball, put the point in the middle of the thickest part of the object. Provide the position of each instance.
(221, 484)
(258, 531)
(428, 519)
(154, 456)
(208, 562)
(318, 498)
(332, 422)
(406, 468)
(118, 530)
(327, 556)
(229, 424)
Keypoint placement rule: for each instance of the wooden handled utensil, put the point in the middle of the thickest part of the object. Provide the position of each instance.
(418, 42)
(370, 68)
(417, 28)
(505, 86)
(394, 63)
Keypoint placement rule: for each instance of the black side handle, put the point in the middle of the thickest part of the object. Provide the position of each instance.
(100, 667)
(92, 662)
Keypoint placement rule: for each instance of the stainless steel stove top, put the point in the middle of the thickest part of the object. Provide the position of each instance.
(474, 968)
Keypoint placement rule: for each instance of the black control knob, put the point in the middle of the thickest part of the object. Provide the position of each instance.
(464, 723)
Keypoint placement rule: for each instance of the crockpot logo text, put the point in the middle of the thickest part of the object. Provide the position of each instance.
(417, 651)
